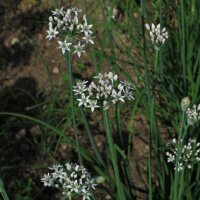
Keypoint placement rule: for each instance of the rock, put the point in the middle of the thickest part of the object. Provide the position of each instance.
(21, 134)
(55, 70)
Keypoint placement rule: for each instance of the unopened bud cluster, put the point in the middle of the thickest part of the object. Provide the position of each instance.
(158, 35)
(104, 91)
(72, 179)
(72, 30)
(189, 154)
(185, 103)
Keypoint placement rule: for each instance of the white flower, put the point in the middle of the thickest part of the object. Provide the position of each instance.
(117, 96)
(92, 105)
(55, 167)
(179, 167)
(64, 46)
(80, 87)
(47, 180)
(58, 173)
(170, 158)
(84, 100)
(85, 28)
(52, 33)
(88, 38)
(79, 49)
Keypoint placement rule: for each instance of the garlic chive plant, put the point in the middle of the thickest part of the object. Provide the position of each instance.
(73, 34)
(158, 35)
(103, 92)
(189, 155)
(71, 30)
(72, 179)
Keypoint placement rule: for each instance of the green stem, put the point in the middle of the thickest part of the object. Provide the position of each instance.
(156, 64)
(180, 146)
(92, 142)
(2, 191)
(69, 66)
(153, 131)
(118, 120)
(113, 154)
(183, 44)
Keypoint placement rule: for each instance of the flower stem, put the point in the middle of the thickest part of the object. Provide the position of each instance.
(90, 136)
(69, 66)
(153, 131)
(113, 154)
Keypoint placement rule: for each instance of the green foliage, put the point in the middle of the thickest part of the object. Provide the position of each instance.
(24, 189)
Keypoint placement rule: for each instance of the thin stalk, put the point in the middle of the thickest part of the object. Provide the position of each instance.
(69, 66)
(113, 154)
(183, 44)
(2, 191)
(153, 132)
(118, 122)
(94, 146)
(156, 64)
(126, 168)
(150, 150)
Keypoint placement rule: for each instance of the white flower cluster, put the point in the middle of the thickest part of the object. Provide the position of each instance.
(158, 35)
(73, 180)
(193, 114)
(189, 154)
(104, 91)
(73, 34)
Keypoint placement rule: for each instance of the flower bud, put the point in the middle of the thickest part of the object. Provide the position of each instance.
(100, 179)
(185, 103)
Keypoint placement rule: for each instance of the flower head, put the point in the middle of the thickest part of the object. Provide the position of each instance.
(71, 28)
(193, 114)
(104, 91)
(64, 46)
(189, 153)
(158, 35)
(71, 179)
